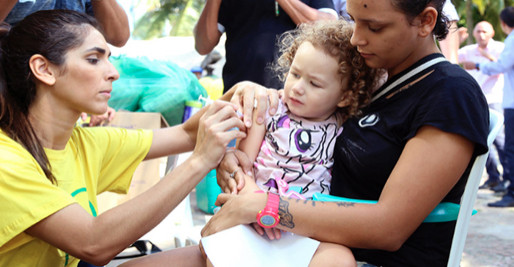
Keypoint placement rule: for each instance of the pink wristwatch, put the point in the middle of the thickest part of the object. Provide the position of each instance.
(268, 217)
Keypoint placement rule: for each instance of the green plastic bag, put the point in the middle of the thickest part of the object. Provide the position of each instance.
(147, 85)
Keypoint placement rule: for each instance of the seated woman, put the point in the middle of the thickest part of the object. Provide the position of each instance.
(410, 149)
(56, 66)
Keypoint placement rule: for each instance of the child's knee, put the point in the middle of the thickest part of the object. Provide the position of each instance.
(329, 254)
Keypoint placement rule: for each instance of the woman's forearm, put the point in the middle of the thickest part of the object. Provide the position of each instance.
(119, 227)
(346, 223)
(299, 12)
(170, 141)
(5, 8)
(99, 239)
(206, 31)
(114, 21)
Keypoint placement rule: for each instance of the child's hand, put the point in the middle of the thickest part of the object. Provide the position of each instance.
(98, 120)
(272, 233)
(250, 186)
(249, 96)
(231, 171)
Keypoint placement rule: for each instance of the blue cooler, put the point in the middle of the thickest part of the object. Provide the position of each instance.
(206, 193)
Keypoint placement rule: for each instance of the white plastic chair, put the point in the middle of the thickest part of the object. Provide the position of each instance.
(470, 192)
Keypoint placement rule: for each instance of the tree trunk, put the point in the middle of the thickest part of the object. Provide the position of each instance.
(469, 21)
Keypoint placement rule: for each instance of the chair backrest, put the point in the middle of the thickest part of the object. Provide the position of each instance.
(470, 192)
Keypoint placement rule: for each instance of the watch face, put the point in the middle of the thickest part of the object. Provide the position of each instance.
(267, 220)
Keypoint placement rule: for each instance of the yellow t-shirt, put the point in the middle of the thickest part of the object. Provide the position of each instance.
(95, 160)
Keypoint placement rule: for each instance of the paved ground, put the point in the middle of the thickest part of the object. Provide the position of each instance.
(490, 239)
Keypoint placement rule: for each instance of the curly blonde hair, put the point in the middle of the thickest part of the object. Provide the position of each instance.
(333, 36)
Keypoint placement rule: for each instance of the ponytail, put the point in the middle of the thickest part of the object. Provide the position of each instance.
(15, 123)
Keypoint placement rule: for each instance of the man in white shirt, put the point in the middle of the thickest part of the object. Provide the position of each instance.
(505, 65)
(487, 49)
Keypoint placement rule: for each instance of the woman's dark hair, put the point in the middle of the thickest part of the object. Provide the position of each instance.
(507, 16)
(412, 8)
(50, 33)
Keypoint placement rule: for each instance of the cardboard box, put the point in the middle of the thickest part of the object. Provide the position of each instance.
(148, 172)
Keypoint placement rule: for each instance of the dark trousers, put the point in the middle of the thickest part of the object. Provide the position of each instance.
(509, 149)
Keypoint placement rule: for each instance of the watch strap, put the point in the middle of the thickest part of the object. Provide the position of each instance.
(273, 202)
(268, 217)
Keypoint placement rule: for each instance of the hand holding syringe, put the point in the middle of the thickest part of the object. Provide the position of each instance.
(206, 101)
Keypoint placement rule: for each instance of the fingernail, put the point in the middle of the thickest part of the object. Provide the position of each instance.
(259, 120)
(248, 124)
(272, 110)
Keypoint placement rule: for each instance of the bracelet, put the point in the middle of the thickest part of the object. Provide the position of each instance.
(477, 66)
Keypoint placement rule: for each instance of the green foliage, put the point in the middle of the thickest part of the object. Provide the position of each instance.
(167, 18)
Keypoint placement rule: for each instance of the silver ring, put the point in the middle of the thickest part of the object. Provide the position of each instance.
(233, 174)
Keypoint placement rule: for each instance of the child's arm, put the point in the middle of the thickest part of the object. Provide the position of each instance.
(251, 146)
(252, 143)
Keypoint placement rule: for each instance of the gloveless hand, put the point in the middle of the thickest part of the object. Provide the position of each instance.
(217, 127)
(235, 210)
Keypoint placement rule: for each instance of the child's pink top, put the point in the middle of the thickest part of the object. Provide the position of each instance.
(297, 151)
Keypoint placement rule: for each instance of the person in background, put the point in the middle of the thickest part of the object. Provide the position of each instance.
(108, 13)
(340, 7)
(252, 28)
(197, 71)
(411, 148)
(486, 49)
(212, 83)
(450, 45)
(54, 66)
(505, 65)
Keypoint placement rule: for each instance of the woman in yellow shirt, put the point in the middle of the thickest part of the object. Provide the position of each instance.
(54, 67)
